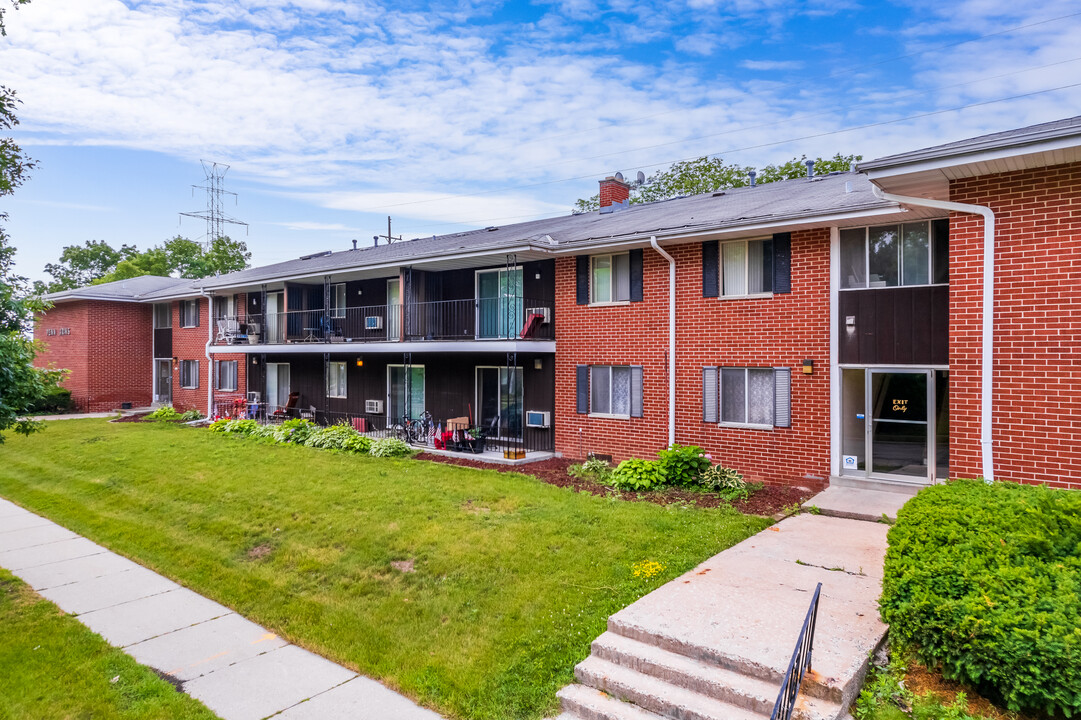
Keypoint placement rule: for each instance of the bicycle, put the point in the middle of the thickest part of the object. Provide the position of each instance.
(416, 432)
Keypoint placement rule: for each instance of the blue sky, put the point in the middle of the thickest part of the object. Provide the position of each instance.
(453, 115)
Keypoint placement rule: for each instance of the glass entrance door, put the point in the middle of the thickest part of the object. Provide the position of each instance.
(898, 423)
(394, 309)
(163, 381)
(499, 401)
(499, 303)
(895, 424)
(405, 393)
(277, 386)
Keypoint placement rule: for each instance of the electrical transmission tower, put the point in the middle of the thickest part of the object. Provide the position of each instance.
(214, 215)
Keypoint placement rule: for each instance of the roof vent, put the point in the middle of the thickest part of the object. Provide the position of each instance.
(718, 194)
(752, 175)
(810, 168)
(315, 255)
(491, 228)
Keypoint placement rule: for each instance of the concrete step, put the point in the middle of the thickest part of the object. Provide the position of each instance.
(722, 684)
(656, 695)
(582, 703)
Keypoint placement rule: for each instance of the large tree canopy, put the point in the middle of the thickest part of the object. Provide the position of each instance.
(95, 261)
(709, 174)
(21, 384)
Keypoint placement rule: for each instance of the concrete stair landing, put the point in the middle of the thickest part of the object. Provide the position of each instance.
(714, 644)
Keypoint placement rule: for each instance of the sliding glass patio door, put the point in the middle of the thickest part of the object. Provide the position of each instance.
(499, 303)
(277, 386)
(499, 401)
(405, 392)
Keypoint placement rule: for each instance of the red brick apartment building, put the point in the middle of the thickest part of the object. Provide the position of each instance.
(914, 320)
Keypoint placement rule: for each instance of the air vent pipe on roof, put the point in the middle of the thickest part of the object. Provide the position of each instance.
(810, 168)
(752, 174)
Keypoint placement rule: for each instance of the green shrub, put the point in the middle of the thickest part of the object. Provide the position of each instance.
(218, 426)
(593, 469)
(390, 447)
(338, 437)
(295, 431)
(683, 464)
(190, 416)
(637, 474)
(55, 400)
(726, 482)
(984, 582)
(267, 433)
(164, 414)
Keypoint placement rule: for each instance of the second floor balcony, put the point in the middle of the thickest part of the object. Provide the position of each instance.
(505, 318)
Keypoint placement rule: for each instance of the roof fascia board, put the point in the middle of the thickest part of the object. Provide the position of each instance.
(375, 348)
(968, 156)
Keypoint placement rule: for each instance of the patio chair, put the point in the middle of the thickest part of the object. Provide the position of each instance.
(290, 405)
(228, 331)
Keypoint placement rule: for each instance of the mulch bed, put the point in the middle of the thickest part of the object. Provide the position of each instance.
(138, 417)
(770, 500)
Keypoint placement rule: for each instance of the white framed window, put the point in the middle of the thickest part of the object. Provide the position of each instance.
(227, 375)
(226, 306)
(336, 380)
(747, 396)
(189, 313)
(189, 373)
(746, 268)
(615, 390)
(163, 316)
(337, 300)
(610, 278)
(915, 253)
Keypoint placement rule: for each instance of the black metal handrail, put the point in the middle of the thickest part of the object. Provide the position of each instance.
(799, 664)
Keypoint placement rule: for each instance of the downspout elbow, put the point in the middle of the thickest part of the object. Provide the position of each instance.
(988, 304)
(671, 338)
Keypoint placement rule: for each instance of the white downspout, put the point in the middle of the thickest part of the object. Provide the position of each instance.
(209, 360)
(671, 339)
(987, 346)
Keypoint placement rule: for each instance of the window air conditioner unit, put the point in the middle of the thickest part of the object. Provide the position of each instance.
(373, 322)
(373, 407)
(253, 397)
(538, 419)
(544, 312)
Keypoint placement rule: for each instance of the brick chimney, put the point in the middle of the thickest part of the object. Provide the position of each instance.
(614, 191)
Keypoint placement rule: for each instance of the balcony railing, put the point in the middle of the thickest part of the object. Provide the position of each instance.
(511, 318)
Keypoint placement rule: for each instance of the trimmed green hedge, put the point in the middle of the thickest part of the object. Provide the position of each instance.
(984, 582)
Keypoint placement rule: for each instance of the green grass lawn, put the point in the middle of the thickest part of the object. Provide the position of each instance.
(512, 578)
(52, 667)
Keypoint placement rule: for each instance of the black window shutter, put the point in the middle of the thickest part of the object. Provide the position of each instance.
(582, 377)
(583, 280)
(636, 275)
(782, 263)
(636, 390)
(710, 268)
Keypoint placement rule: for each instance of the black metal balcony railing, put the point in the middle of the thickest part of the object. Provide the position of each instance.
(470, 319)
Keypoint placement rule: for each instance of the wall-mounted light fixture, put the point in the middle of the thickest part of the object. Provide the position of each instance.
(176, 361)
(808, 367)
(360, 361)
(538, 364)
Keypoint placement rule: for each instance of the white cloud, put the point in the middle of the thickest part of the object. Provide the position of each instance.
(772, 64)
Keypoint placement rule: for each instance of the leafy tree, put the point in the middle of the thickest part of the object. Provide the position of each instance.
(95, 261)
(83, 264)
(709, 174)
(21, 384)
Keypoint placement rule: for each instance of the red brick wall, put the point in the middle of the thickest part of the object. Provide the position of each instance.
(780, 331)
(1037, 378)
(67, 352)
(108, 352)
(190, 344)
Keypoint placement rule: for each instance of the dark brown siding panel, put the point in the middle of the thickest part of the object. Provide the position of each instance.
(849, 337)
(940, 325)
(894, 326)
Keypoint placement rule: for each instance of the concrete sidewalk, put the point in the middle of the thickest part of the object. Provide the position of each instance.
(238, 669)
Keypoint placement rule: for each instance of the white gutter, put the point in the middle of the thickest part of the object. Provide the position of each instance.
(987, 343)
(209, 359)
(671, 339)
